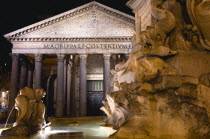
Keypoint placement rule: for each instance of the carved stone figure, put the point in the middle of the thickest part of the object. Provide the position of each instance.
(154, 40)
(142, 69)
(30, 118)
(116, 112)
(198, 11)
(167, 21)
(152, 100)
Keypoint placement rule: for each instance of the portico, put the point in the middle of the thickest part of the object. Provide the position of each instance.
(58, 49)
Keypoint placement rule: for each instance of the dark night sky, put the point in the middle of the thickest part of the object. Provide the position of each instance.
(15, 14)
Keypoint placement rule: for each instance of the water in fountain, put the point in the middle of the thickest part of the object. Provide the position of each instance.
(9, 117)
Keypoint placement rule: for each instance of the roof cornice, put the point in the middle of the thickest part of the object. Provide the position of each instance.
(115, 39)
(68, 14)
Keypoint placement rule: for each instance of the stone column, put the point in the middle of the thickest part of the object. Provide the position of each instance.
(38, 71)
(75, 90)
(68, 108)
(29, 77)
(83, 85)
(65, 85)
(23, 73)
(14, 83)
(60, 86)
(138, 26)
(106, 74)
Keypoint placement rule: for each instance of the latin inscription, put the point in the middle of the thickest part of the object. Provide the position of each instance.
(88, 46)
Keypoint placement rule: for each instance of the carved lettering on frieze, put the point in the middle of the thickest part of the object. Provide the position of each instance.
(87, 46)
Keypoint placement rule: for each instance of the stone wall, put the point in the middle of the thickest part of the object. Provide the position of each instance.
(191, 63)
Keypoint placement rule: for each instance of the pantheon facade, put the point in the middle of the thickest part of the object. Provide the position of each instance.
(70, 55)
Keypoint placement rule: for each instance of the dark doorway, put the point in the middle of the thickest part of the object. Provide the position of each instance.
(94, 97)
(50, 99)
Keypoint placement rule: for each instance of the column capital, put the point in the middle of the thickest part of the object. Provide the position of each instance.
(83, 57)
(23, 62)
(106, 56)
(61, 57)
(15, 56)
(38, 57)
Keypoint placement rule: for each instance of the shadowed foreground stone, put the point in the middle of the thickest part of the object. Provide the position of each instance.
(160, 114)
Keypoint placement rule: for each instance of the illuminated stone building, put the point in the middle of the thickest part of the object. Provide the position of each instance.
(70, 55)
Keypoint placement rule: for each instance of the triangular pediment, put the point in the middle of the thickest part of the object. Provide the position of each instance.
(88, 21)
